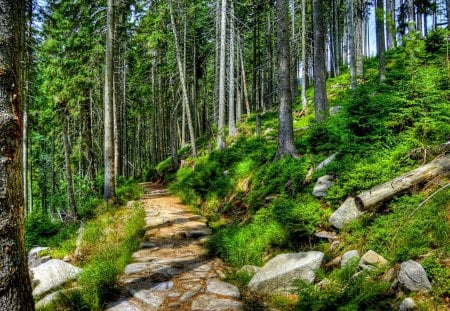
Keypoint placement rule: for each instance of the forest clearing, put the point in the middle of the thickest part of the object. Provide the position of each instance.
(224, 155)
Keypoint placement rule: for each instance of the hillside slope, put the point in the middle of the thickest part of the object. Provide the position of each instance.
(259, 208)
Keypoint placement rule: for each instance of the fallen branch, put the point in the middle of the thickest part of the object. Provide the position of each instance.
(386, 191)
(428, 199)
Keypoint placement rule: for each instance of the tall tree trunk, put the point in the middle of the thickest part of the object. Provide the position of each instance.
(303, 68)
(231, 102)
(294, 62)
(380, 38)
(320, 71)
(109, 179)
(411, 15)
(68, 169)
(221, 123)
(15, 286)
(216, 64)
(390, 24)
(285, 129)
(181, 69)
(87, 110)
(244, 82)
(360, 37)
(350, 16)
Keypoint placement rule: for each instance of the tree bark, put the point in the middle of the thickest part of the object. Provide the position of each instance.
(68, 169)
(109, 179)
(221, 122)
(285, 129)
(320, 71)
(388, 190)
(303, 68)
(232, 131)
(184, 91)
(350, 17)
(15, 286)
(380, 38)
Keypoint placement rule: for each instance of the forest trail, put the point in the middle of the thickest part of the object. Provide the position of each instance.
(172, 269)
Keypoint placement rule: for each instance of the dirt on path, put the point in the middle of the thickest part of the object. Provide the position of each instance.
(172, 270)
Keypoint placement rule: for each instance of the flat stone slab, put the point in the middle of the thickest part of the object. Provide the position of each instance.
(122, 305)
(345, 214)
(222, 288)
(209, 302)
(138, 267)
(194, 234)
(163, 287)
(148, 297)
(147, 244)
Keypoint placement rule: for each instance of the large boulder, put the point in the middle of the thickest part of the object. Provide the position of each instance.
(322, 185)
(345, 214)
(278, 273)
(52, 274)
(413, 277)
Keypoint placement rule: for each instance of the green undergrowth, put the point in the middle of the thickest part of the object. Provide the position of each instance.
(259, 207)
(110, 235)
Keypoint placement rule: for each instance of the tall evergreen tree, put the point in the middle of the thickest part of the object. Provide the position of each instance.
(320, 71)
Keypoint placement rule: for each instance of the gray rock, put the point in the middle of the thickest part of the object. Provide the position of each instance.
(34, 259)
(371, 259)
(413, 276)
(138, 267)
(209, 302)
(47, 300)
(322, 185)
(148, 297)
(408, 304)
(330, 235)
(194, 234)
(345, 214)
(147, 244)
(52, 274)
(349, 256)
(250, 270)
(163, 286)
(187, 295)
(279, 272)
(334, 245)
(222, 288)
(335, 110)
(122, 305)
(327, 161)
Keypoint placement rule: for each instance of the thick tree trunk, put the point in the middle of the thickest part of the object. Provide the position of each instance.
(232, 131)
(244, 83)
(386, 191)
(109, 179)
(221, 122)
(15, 287)
(320, 71)
(181, 69)
(68, 169)
(285, 130)
(380, 38)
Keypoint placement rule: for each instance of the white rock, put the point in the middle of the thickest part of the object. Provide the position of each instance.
(278, 273)
(327, 161)
(413, 277)
(345, 214)
(34, 259)
(348, 256)
(408, 304)
(222, 288)
(51, 274)
(322, 185)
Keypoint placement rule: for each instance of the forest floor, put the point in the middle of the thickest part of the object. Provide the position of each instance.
(172, 269)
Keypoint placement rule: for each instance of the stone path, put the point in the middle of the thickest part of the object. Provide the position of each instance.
(172, 269)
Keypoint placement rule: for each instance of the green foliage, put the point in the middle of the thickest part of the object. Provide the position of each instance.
(405, 234)
(129, 190)
(284, 176)
(248, 244)
(108, 243)
(439, 275)
(344, 290)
